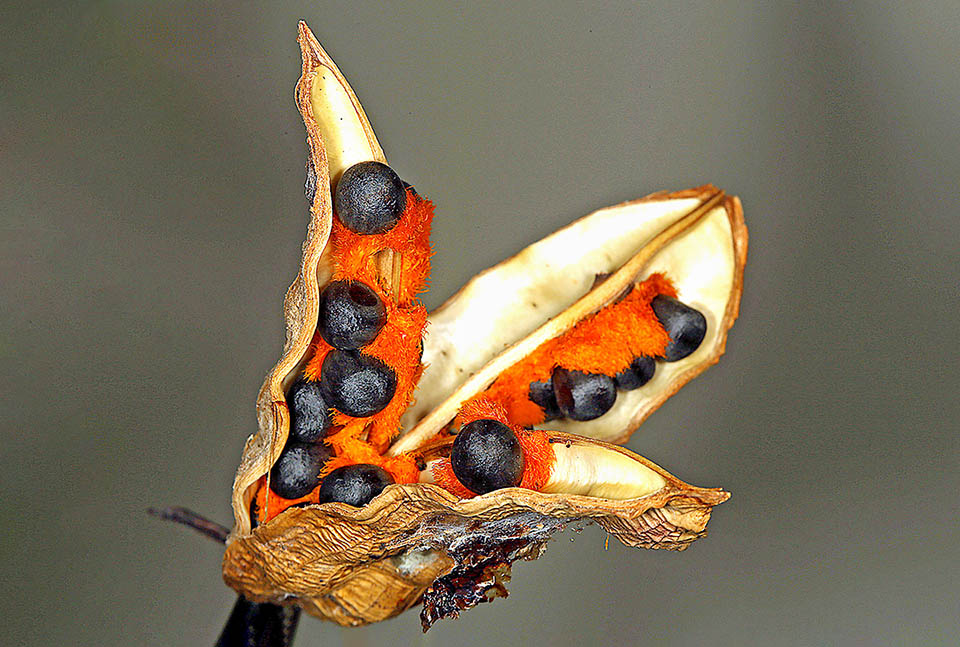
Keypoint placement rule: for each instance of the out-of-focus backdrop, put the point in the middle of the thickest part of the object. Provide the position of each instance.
(151, 197)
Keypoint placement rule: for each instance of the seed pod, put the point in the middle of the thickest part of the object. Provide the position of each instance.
(354, 485)
(356, 384)
(695, 237)
(297, 471)
(486, 456)
(370, 198)
(639, 372)
(416, 540)
(317, 555)
(685, 325)
(309, 415)
(351, 315)
(583, 396)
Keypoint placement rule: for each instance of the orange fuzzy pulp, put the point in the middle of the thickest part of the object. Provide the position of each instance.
(606, 342)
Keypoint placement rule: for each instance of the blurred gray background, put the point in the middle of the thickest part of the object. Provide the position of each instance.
(151, 196)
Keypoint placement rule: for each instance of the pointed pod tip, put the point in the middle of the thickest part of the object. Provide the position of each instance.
(310, 49)
(305, 32)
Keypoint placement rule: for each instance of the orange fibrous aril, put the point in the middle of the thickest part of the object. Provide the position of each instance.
(355, 255)
(605, 342)
(268, 504)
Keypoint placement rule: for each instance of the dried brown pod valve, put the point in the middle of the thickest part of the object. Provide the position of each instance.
(419, 541)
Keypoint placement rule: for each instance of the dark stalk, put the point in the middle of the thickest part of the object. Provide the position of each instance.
(190, 518)
(251, 624)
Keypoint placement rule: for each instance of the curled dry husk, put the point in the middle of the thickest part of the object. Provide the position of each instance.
(418, 541)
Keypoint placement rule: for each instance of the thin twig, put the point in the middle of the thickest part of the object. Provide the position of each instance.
(190, 518)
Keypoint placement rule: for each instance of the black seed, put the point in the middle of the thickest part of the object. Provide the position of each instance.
(351, 314)
(354, 485)
(370, 198)
(486, 456)
(583, 396)
(541, 394)
(685, 325)
(356, 384)
(297, 471)
(637, 374)
(310, 185)
(309, 414)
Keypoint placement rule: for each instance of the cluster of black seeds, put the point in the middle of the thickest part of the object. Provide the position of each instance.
(369, 199)
(486, 456)
(586, 396)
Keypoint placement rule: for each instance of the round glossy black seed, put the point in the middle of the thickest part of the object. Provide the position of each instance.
(309, 413)
(486, 456)
(583, 396)
(356, 384)
(370, 198)
(351, 314)
(354, 485)
(637, 374)
(541, 394)
(686, 326)
(297, 471)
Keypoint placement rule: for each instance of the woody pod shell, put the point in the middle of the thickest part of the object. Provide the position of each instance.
(360, 565)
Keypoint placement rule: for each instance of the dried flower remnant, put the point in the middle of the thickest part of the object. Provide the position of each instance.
(403, 509)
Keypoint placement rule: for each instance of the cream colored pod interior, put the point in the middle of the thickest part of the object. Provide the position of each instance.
(360, 565)
(510, 301)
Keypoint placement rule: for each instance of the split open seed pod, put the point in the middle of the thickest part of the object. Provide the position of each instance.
(417, 541)
(696, 237)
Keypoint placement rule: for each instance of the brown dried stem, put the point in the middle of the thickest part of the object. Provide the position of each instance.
(190, 518)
